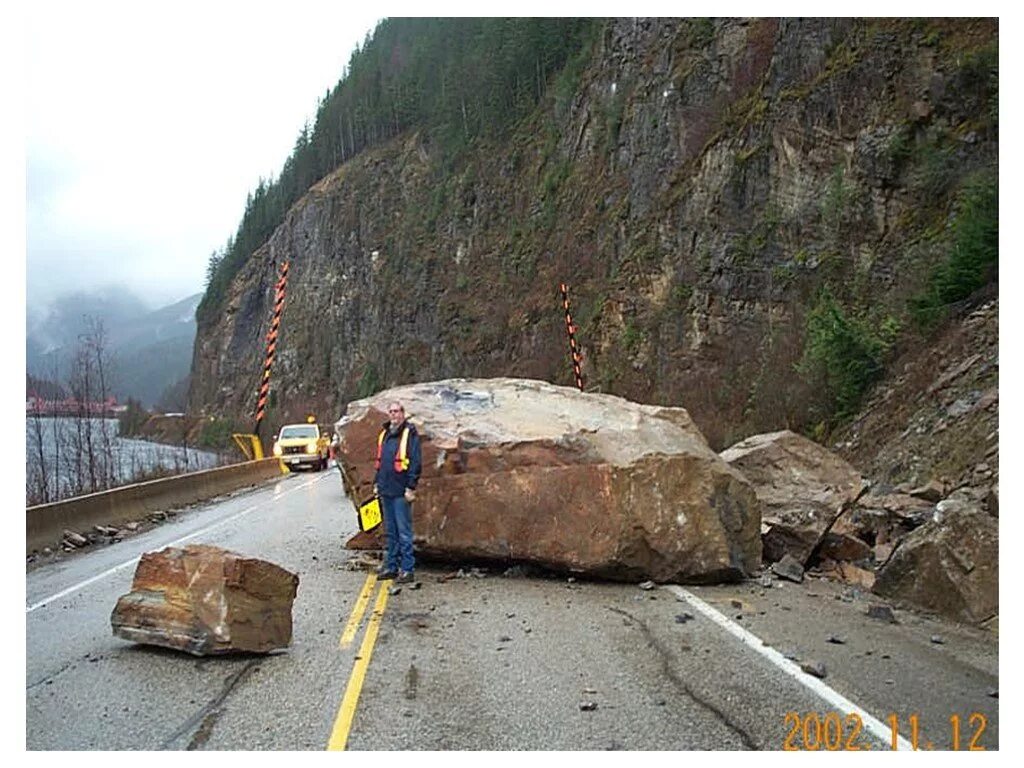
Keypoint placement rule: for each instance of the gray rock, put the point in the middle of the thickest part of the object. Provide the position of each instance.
(882, 613)
(75, 539)
(788, 568)
(647, 585)
(815, 668)
(682, 618)
(588, 706)
(937, 639)
(835, 640)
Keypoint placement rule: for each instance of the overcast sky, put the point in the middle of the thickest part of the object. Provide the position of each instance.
(148, 124)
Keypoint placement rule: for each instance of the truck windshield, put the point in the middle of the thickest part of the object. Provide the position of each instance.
(301, 431)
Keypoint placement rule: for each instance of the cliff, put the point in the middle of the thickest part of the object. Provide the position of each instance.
(709, 189)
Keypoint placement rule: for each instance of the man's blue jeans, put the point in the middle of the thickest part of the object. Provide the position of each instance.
(397, 533)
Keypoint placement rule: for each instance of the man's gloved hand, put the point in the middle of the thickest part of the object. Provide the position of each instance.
(410, 495)
(375, 490)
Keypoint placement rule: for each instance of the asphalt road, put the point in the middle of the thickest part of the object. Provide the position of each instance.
(484, 660)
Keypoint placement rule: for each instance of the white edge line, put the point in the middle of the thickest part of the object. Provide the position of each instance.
(836, 699)
(122, 566)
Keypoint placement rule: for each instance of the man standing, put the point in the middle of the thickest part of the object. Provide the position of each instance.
(398, 466)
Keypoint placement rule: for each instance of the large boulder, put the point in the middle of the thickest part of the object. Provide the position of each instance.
(521, 470)
(800, 485)
(949, 565)
(206, 600)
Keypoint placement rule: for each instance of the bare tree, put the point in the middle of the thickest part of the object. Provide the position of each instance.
(37, 477)
(89, 384)
(95, 343)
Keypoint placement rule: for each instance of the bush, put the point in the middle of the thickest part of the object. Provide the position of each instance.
(131, 421)
(216, 434)
(846, 352)
(369, 383)
(974, 257)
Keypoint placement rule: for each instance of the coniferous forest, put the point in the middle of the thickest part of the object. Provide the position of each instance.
(454, 79)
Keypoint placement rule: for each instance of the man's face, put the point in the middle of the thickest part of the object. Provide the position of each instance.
(397, 414)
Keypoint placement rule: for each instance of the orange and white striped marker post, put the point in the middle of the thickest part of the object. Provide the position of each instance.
(261, 400)
(577, 358)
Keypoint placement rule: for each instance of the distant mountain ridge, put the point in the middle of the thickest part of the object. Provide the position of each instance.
(150, 350)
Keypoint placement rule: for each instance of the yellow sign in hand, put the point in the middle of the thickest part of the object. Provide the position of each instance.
(369, 514)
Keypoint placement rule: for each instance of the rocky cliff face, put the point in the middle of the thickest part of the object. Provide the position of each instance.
(696, 189)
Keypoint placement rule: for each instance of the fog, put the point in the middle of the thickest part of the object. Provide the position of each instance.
(147, 126)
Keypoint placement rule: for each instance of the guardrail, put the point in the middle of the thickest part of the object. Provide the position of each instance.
(46, 523)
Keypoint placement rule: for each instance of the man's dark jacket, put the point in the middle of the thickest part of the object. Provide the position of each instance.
(389, 482)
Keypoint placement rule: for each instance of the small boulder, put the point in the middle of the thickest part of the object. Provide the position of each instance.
(860, 577)
(788, 568)
(842, 546)
(206, 600)
(949, 565)
(814, 668)
(800, 486)
(932, 491)
(74, 539)
(882, 613)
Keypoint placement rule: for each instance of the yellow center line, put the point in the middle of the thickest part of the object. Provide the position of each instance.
(358, 610)
(343, 722)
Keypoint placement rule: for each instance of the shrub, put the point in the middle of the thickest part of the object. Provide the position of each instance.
(369, 383)
(973, 259)
(846, 352)
(216, 433)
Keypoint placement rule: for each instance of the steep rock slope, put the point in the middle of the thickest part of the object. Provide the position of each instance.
(698, 187)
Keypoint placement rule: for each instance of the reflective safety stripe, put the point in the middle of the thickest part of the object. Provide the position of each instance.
(380, 448)
(401, 458)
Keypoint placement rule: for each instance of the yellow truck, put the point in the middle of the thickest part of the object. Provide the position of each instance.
(300, 445)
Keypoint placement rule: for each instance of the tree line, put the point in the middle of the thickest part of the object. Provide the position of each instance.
(456, 80)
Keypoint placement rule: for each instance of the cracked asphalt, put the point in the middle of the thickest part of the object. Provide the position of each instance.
(484, 662)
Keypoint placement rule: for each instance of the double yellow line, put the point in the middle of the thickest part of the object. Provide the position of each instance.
(343, 722)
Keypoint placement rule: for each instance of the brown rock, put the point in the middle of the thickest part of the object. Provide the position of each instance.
(882, 552)
(365, 540)
(206, 600)
(800, 485)
(949, 565)
(859, 577)
(992, 500)
(899, 510)
(841, 546)
(932, 491)
(518, 470)
(781, 539)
